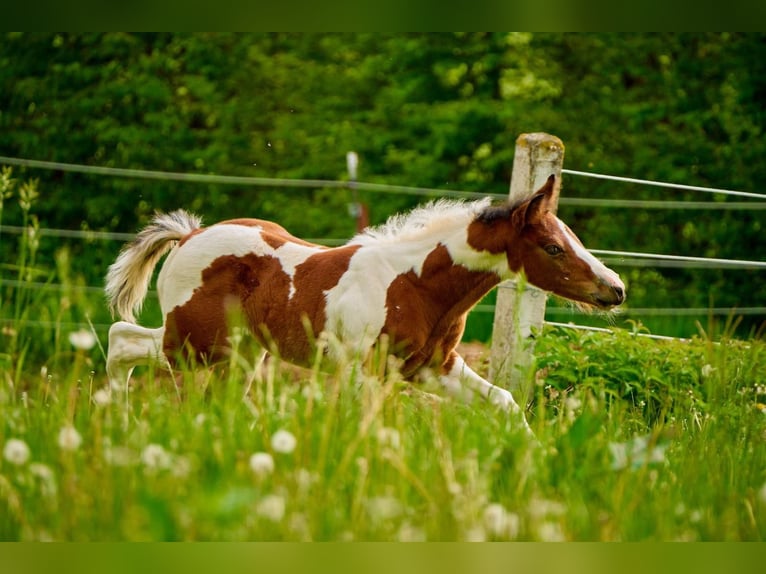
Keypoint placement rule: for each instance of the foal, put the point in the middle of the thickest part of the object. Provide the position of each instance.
(414, 279)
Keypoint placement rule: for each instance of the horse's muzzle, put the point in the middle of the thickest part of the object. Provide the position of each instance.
(611, 296)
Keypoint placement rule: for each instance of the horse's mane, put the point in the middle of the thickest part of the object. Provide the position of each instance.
(433, 217)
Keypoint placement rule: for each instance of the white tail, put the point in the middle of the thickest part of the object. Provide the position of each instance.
(128, 278)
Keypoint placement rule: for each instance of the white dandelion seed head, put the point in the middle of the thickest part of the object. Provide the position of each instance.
(283, 441)
(500, 523)
(272, 507)
(305, 479)
(544, 508)
(389, 437)
(46, 480)
(550, 531)
(155, 457)
(475, 533)
(102, 397)
(383, 508)
(409, 533)
(82, 340)
(16, 451)
(262, 463)
(69, 439)
(182, 467)
(573, 403)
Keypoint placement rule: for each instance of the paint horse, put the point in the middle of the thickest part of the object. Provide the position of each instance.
(413, 279)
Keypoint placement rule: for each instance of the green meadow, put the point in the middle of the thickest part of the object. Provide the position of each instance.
(639, 440)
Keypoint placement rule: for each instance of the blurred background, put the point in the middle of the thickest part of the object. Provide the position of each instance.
(428, 115)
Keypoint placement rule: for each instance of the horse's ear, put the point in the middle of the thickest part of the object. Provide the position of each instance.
(538, 204)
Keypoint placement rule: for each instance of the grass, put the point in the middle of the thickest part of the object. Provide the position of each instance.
(640, 440)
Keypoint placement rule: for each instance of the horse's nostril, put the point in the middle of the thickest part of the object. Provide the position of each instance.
(620, 292)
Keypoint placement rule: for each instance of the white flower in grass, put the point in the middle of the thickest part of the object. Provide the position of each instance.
(82, 340)
(262, 464)
(383, 508)
(283, 441)
(305, 479)
(409, 533)
(155, 457)
(389, 437)
(551, 532)
(272, 507)
(69, 439)
(45, 477)
(16, 451)
(475, 533)
(500, 523)
(102, 397)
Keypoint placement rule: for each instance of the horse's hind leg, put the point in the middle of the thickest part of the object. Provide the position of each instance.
(131, 345)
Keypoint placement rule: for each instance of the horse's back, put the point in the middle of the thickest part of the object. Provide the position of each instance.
(253, 268)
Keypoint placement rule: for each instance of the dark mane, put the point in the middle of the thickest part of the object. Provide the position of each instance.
(500, 211)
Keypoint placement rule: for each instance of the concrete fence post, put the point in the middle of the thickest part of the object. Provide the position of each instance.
(520, 308)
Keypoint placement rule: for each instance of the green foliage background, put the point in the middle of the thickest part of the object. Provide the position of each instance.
(433, 110)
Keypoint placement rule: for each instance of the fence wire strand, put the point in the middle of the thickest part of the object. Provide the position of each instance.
(627, 258)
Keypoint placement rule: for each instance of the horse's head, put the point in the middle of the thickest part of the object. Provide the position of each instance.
(549, 253)
(554, 259)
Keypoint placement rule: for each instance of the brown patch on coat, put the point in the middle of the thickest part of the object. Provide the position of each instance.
(258, 289)
(426, 313)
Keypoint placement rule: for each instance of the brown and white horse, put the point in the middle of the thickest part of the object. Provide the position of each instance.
(413, 279)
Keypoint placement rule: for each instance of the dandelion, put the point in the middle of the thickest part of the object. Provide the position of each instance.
(383, 508)
(16, 452)
(82, 340)
(45, 478)
(69, 439)
(272, 507)
(283, 441)
(155, 457)
(475, 533)
(262, 464)
(707, 370)
(298, 524)
(544, 508)
(551, 532)
(573, 403)
(305, 479)
(389, 437)
(500, 523)
(182, 467)
(410, 533)
(102, 397)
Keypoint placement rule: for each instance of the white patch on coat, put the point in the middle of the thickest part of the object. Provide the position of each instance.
(599, 269)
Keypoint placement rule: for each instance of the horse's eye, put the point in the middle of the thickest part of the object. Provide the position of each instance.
(553, 250)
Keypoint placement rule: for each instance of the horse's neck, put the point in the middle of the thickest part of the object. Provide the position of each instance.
(454, 275)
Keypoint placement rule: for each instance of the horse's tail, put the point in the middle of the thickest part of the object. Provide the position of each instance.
(128, 278)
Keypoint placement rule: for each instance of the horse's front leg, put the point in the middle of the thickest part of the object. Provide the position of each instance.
(462, 381)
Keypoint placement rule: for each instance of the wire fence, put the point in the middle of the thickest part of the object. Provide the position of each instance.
(622, 258)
